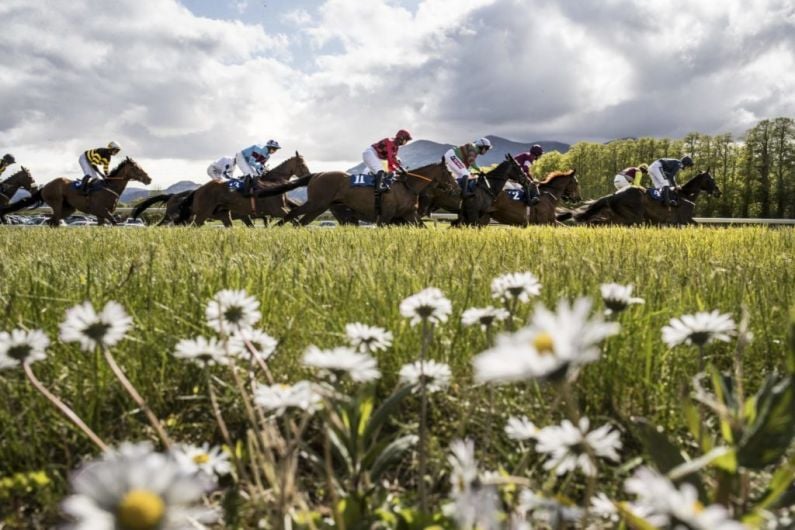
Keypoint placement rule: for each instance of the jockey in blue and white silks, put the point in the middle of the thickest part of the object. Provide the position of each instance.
(253, 159)
(223, 168)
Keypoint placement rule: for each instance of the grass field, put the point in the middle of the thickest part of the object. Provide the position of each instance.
(311, 282)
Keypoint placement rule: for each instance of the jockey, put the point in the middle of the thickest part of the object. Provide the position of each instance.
(385, 150)
(6, 161)
(631, 176)
(91, 160)
(460, 161)
(252, 162)
(663, 176)
(526, 161)
(223, 168)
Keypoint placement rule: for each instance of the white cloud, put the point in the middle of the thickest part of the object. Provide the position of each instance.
(179, 90)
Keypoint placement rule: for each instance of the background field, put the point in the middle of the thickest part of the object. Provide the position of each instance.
(311, 282)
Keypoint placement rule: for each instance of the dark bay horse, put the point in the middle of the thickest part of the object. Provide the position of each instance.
(333, 189)
(20, 179)
(179, 206)
(64, 199)
(633, 205)
(489, 186)
(559, 185)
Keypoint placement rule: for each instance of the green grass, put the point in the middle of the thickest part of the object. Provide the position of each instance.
(311, 282)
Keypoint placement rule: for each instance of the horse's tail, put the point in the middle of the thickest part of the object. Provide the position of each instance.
(283, 188)
(184, 212)
(564, 215)
(593, 209)
(33, 201)
(143, 206)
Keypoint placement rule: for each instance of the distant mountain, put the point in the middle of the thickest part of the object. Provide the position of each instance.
(422, 152)
(136, 194)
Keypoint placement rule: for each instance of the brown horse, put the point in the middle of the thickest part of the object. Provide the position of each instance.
(174, 201)
(489, 186)
(443, 193)
(634, 206)
(333, 189)
(558, 185)
(20, 179)
(64, 199)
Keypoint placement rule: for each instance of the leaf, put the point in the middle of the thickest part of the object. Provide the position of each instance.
(768, 439)
(791, 341)
(665, 455)
(385, 410)
(724, 391)
(392, 453)
(693, 422)
(635, 522)
(365, 411)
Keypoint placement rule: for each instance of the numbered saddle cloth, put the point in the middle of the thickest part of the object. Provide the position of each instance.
(235, 184)
(471, 185)
(93, 185)
(516, 195)
(655, 194)
(363, 180)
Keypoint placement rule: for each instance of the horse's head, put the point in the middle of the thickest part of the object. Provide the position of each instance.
(515, 171)
(129, 169)
(571, 193)
(24, 179)
(295, 165)
(708, 184)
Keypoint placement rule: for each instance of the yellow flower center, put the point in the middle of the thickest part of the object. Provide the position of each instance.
(544, 343)
(698, 507)
(141, 510)
(201, 458)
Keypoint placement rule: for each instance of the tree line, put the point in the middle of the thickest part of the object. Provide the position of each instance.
(756, 174)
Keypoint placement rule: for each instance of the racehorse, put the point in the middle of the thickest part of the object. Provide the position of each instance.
(179, 206)
(443, 193)
(558, 185)
(61, 195)
(334, 189)
(488, 187)
(633, 205)
(20, 179)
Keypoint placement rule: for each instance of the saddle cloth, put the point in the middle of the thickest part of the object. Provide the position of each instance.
(94, 185)
(362, 180)
(235, 184)
(516, 195)
(654, 194)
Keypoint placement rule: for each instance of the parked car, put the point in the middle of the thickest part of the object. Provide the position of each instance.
(133, 223)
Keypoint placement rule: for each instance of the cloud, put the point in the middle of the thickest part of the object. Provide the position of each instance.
(180, 90)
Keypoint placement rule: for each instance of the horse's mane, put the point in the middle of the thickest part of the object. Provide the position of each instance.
(555, 175)
(127, 161)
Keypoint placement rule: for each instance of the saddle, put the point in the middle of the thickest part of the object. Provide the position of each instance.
(93, 185)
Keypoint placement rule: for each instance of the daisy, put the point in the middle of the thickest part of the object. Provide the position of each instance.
(208, 460)
(202, 351)
(429, 304)
(548, 510)
(22, 347)
(668, 504)
(84, 325)
(231, 311)
(278, 398)
(618, 297)
(437, 375)
(515, 286)
(368, 339)
(699, 329)
(485, 317)
(264, 345)
(464, 465)
(520, 428)
(361, 367)
(136, 488)
(567, 446)
(553, 344)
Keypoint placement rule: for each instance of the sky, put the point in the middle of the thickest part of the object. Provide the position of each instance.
(180, 83)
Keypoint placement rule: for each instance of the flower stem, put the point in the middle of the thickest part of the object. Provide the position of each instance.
(427, 333)
(65, 410)
(128, 386)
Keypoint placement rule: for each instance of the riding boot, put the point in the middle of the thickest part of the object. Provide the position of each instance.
(382, 182)
(84, 185)
(531, 194)
(248, 185)
(667, 199)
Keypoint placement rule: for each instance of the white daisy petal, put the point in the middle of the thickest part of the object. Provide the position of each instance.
(91, 330)
(519, 286)
(360, 367)
(367, 339)
(618, 297)
(202, 351)
(230, 311)
(699, 329)
(484, 316)
(303, 395)
(429, 304)
(437, 375)
(22, 347)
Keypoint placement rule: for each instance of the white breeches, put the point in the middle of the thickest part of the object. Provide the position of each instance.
(456, 166)
(87, 168)
(371, 160)
(620, 182)
(241, 162)
(657, 177)
(512, 185)
(215, 173)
